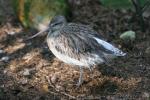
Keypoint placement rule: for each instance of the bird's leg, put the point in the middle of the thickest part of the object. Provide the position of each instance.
(90, 68)
(91, 71)
(81, 77)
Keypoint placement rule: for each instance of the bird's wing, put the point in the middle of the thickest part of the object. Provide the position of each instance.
(76, 39)
(84, 39)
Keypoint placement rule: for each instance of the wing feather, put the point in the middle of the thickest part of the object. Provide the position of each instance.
(82, 37)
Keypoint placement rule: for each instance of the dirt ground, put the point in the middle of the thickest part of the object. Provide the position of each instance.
(29, 71)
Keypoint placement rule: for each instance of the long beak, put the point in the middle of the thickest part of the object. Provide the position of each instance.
(38, 33)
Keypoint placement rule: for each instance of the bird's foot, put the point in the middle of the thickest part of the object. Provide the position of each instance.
(79, 83)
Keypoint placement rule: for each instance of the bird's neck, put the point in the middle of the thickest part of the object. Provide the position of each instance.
(53, 33)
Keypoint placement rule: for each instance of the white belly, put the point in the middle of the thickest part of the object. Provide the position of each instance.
(84, 61)
(66, 58)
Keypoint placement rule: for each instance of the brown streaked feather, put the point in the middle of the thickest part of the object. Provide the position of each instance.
(82, 36)
(76, 41)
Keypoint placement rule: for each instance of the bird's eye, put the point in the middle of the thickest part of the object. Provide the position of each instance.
(55, 24)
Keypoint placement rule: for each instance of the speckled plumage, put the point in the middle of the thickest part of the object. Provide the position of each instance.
(78, 44)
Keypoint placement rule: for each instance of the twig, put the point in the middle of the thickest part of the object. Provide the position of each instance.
(66, 94)
(53, 86)
(49, 81)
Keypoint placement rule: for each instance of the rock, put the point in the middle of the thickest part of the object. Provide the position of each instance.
(13, 68)
(45, 88)
(26, 72)
(147, 52)
(1, 51)
(5, 71)
(146, 95)
(128, 36)
(11, 33)
(23, 81)
(5, 59)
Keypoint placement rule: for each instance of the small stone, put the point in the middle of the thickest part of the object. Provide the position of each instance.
(23, 81)
(147, 51)
(128, 36)
(11, 33)
(26, 72)
(45, 88)
(1, 51)
(5, 71)
(123, 10)
(5, 59)
(146, 95)
(13, 68)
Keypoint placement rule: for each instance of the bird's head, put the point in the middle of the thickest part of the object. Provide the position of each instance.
(55, 24)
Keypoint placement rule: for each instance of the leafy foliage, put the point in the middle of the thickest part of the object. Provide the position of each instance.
(34, 12)
(119, 3)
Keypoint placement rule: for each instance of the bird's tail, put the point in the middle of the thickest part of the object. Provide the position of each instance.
(118, 52)
(112, 49)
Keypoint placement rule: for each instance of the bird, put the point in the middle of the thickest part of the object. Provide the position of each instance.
(78, 44)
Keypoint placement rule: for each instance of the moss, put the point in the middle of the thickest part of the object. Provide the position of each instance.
(35, 12)
(119, 3)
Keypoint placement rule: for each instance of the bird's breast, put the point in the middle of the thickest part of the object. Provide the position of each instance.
(84, 60)
(65, 58)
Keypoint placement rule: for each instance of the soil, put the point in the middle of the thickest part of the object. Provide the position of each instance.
(29, 71)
